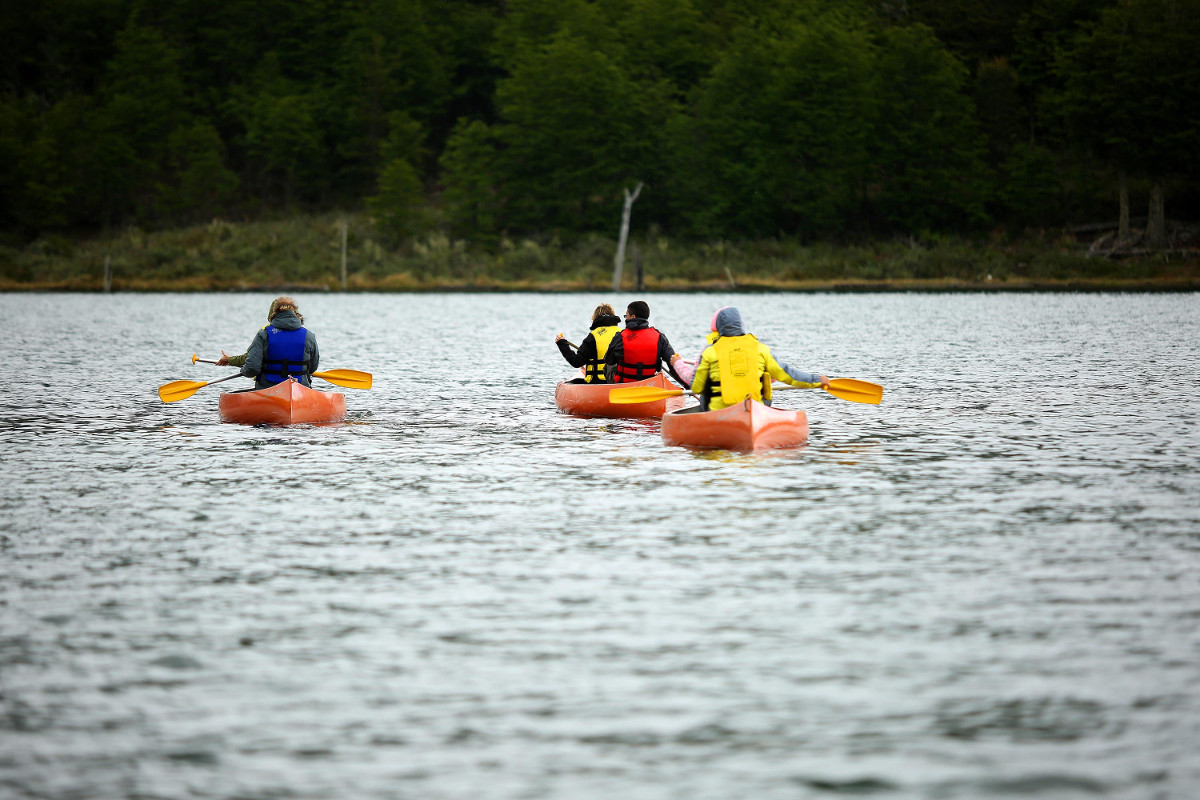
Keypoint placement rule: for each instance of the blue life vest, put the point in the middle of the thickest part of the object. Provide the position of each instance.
(285, 356)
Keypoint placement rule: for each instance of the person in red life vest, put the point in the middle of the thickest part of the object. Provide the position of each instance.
(282, 349)
(637, 352)
(594, 347)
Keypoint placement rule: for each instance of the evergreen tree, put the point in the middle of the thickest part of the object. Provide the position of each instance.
(929, 170)
(574, 129)
(779, 138)
(1133, 94)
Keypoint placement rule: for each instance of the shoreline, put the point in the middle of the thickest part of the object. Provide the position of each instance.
(933, 286)
(305, 254)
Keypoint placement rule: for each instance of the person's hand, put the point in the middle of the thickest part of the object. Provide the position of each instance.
(223, 360)
(675, 357)
(824, 381)
(559, 338)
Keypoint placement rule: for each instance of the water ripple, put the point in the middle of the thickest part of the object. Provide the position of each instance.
(985, 587)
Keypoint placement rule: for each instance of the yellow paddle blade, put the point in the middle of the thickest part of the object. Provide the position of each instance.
(856, 391)
(641, 394)
(179, 390)
(350, 378)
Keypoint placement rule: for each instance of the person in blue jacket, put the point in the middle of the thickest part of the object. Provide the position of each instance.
(282, 349)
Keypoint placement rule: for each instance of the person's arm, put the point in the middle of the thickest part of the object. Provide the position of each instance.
(614, 356)
(780, 371)
(700, 379)
(667, 355)
(311, 352)
(252, 365)
(587, 351)
(232, 361)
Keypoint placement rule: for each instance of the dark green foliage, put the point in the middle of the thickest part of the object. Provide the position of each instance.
(387, 64)
(573, 130)
(667, 40)
(1000, 108)
(396, 208)
(1030, 190)
(1041, 36)
(398, 204)
(143, 103)
(1133, 86)
(929, 174)
(469, 165)
(777, 141)
(976, 30)
(203, 187)
(817, 119)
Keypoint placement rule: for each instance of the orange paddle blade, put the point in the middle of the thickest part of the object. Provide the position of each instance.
(642, 394)
(350, 378)
(856, 391)
(179, 390)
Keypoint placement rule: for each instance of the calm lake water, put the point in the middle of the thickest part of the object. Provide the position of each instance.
(988, 586)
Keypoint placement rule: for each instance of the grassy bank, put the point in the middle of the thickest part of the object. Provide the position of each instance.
(304, 254)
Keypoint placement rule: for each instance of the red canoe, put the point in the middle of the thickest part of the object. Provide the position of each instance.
(591, 399)
(749, 425)
(287, 403)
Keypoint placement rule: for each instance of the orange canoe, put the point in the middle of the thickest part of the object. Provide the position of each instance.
(591, 399)
(749, 425)
(287, 403)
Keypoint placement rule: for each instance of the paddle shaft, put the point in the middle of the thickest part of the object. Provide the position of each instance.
(850, 389)
(349, 378)
(181, 390)
(226, 378)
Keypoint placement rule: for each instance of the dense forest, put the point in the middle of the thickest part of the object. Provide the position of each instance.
(831, 120)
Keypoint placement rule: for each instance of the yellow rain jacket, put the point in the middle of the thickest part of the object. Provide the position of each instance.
(738, 367)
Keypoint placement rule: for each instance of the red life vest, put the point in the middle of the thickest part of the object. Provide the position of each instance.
(639, 355)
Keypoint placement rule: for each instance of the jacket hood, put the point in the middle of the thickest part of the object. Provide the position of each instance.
(606, 321)
(286, 321)
(637, 324)
(729, 322)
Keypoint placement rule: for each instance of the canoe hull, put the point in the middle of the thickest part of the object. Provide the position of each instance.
(591, 399)
(749, 425)
(287, 403)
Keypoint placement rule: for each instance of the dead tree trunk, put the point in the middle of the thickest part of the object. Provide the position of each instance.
(619, 262)
(1156, 223)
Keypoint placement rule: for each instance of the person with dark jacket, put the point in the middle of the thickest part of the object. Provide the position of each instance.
(635, 355)
(594, 347)
(282, 349)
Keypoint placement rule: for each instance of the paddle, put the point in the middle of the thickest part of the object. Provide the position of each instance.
(850, 389)
(181, 390)
(350, 378)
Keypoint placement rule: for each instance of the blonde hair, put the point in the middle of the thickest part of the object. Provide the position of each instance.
(284, 304)
(603, 308)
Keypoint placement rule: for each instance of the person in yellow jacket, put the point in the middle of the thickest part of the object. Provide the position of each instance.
(593, 347)
(736, 366)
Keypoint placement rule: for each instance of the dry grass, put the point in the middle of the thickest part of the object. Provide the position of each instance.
(303, 253)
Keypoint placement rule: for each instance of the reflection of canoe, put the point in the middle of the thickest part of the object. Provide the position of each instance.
(591, 399)
(287, 403)
(749, 425)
